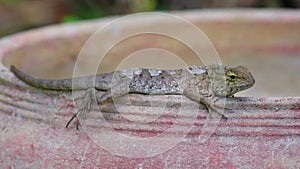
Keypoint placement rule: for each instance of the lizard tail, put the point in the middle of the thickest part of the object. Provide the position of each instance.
(41, 83)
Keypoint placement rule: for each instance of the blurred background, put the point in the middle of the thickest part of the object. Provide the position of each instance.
(19, 15)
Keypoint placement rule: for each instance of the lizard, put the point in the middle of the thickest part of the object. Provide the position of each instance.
(203, 84)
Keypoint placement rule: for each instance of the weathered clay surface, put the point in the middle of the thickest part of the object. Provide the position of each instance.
(33, 132)
(260, 131)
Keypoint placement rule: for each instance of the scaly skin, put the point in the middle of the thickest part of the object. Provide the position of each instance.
(199, 83)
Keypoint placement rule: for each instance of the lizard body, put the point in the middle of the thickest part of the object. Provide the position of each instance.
(199, 83)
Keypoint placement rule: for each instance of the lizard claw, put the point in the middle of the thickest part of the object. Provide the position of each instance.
(82, 111)
(72, 118)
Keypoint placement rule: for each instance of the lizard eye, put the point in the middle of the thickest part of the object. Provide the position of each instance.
(232, 76)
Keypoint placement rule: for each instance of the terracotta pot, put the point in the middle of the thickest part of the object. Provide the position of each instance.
(262, 128)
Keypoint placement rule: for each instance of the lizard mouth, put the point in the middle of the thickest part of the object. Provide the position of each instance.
(246, 85)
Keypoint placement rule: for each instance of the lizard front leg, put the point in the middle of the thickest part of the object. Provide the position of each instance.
(215, 114)
(208, 101)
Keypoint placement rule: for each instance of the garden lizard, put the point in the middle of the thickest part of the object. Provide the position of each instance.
(203, 84)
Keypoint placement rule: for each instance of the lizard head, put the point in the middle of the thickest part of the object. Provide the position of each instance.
(236, 80)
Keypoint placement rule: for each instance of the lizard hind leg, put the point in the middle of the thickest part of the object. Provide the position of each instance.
(85, 107)
(120, 88)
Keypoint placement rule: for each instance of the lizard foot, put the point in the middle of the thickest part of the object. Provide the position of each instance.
(216, 105)
(86, 106)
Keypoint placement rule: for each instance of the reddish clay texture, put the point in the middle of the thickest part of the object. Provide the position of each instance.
(260, 132)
